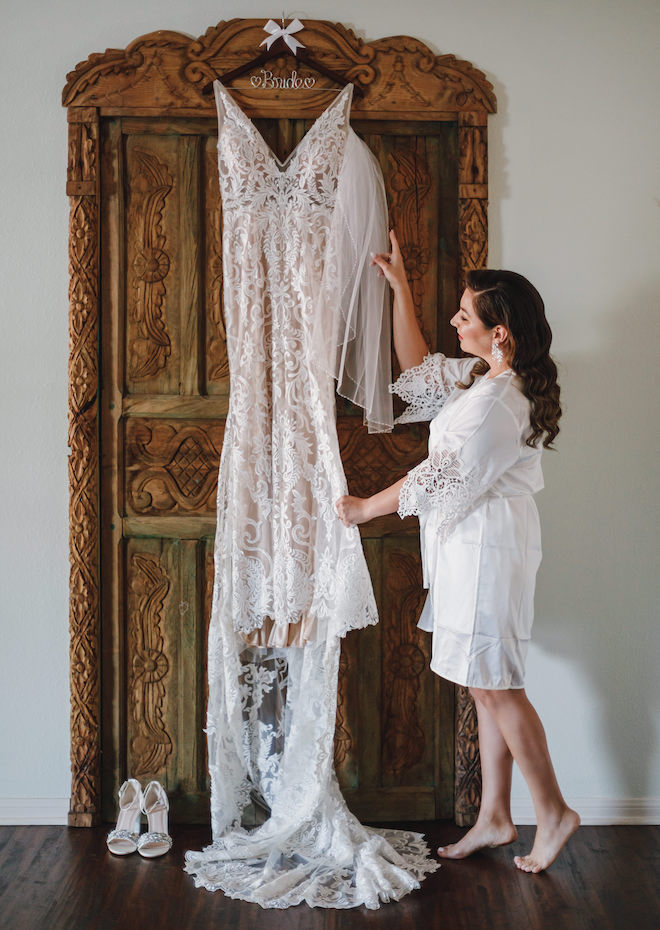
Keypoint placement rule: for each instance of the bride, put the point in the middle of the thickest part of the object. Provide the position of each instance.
(490, 415)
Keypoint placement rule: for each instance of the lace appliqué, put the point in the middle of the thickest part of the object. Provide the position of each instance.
(441, 481)
(425, 388)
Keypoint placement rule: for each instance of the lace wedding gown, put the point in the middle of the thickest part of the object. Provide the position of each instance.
(303, 309)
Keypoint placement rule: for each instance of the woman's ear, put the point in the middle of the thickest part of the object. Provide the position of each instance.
(500, 333)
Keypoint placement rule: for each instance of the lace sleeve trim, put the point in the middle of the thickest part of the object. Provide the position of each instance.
(440, 481)
(424, 388)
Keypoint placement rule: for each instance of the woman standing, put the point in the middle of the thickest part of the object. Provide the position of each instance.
(480, 539)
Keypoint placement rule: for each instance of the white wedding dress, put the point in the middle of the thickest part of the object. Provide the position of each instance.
(303, 308)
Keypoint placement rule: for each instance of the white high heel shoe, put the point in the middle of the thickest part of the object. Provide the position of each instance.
(124, 838)
(156, 841)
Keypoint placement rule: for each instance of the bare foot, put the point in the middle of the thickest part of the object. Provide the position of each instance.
(548, 842)
(481, 836)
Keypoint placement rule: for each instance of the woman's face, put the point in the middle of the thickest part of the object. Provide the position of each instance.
(474, 337)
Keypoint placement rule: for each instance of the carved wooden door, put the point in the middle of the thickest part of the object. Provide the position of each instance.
(146, 412)
(164, 393)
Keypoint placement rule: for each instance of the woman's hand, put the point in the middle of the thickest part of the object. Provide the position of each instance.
(352, 510)
(391, 265)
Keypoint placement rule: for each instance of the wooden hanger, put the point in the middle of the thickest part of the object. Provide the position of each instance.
(278, 49)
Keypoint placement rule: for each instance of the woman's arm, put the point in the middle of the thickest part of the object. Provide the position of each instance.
(354, 510)
(409, 344)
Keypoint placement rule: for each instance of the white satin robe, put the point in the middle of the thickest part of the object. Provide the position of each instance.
(479, 526)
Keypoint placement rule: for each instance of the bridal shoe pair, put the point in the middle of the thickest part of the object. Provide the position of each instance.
(133, 802)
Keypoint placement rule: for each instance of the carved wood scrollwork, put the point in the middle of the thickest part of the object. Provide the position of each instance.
(151, 744)
(172, 467)
(167, 70)
(82, 187)
(162, 74)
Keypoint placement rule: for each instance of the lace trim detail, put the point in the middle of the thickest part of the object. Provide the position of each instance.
(377, 866)
(425, 388)
(440, 481)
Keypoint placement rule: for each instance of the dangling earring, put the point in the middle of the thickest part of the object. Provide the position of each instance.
(496, 352)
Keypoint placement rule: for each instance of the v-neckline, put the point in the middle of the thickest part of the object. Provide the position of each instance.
(283, 166)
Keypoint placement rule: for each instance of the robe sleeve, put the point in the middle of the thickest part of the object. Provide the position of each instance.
(464, 464)
(426, 387)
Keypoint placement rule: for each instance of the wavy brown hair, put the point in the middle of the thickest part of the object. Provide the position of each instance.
(507, 298)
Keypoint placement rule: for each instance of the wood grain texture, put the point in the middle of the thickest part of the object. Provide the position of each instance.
(406, 736)
(165, 383)
(467, 769)
(473, 196)
(607, 878)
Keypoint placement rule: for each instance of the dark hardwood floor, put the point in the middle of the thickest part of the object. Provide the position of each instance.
(55, 878)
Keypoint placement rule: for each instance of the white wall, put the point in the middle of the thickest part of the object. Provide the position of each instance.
(575, 206)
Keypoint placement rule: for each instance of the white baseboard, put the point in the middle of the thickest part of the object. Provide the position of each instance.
(597, 811)
(33, 811)
(593, 811)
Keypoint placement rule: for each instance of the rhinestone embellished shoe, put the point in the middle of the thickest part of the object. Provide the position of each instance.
(156, 841)
(124, 838)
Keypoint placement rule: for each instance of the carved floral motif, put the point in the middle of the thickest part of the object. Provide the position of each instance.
(151, 744)
(149, 340)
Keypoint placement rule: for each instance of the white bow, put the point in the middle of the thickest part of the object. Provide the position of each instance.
(276, 31)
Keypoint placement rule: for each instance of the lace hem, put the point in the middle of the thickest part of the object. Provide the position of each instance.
(384, 866)
(441, 481)
(425, 388)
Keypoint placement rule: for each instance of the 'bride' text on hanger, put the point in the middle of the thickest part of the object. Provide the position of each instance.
(268, 81)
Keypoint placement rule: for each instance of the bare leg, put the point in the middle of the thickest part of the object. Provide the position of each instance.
(494, 826)
(523, 733)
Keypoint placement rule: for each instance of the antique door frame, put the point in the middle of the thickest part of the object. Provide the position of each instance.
(160, 74)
